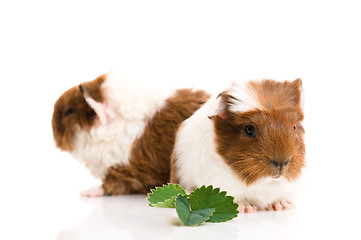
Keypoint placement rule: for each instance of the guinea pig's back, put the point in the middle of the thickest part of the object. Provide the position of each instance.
(142, 120)
(149, 156)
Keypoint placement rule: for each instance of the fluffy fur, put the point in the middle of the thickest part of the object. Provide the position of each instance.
(107, 115)
(127, 110)
(123, 132)
(261, 171)
(149, 162)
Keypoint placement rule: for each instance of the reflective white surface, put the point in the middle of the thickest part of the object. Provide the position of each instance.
(51, 211)
(46, 48)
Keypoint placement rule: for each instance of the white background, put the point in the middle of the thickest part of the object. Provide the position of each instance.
(46, 47)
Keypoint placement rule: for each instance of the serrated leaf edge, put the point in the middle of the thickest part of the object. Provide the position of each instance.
(164, 186)
(224, 195)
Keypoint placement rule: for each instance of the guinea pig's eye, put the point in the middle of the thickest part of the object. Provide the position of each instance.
(69, 112)
(295, 128)
(249, 129)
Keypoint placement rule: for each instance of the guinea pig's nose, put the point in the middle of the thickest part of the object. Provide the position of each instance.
(279, 163)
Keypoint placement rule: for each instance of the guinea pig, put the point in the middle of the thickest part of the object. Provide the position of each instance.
(123, 132)
(248, 141)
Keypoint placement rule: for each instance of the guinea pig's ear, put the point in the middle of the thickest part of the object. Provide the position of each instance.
(297, 82)
(98, 107)
(298, 85)
(220, 107)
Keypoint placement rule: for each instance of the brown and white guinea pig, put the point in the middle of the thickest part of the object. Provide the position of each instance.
(123, 132)
(248, 141)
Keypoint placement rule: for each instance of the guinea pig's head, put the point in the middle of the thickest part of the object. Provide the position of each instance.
(258, 129)
(75, 110)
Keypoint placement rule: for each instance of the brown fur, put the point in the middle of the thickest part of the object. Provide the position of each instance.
(150, 155)
(275, 137)
(72, 111)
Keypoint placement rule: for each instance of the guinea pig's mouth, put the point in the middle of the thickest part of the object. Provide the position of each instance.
(276, 177)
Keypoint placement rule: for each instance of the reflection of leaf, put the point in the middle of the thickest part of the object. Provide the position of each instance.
(207, 197)
(188, 216)
(165, 196)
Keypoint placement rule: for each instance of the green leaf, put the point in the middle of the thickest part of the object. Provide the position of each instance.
(165, 196)
(203, 204)
(188, 216)
(207, 197)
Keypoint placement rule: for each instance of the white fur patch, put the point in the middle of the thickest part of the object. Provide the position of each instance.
(128, 108)
(106, 145)
(245, 98)
(198, 163)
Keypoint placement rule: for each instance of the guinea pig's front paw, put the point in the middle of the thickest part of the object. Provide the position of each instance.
(280, 205)
(247, 208)
(97, 191)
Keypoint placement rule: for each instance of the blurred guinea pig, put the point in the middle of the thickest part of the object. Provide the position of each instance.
(123, 132)
(248, 141)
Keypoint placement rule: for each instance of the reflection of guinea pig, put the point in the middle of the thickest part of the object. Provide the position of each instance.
(122, 132)
(248, 141)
